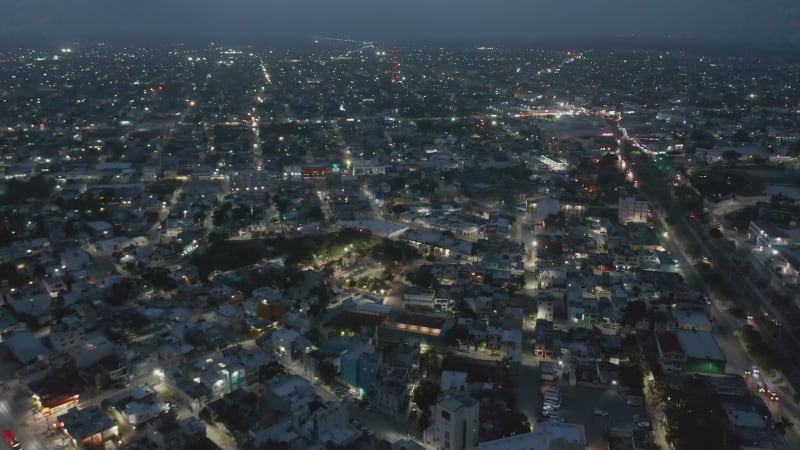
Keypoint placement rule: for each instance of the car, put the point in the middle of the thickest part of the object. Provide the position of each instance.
(494, 353)
(550, 406)
(600, 412)
(634, 400)
(555, 418)
(11, 439)
(550, 413)
(643, 424)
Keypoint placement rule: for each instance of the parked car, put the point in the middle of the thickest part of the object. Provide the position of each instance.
(600, 412)
(634, 400)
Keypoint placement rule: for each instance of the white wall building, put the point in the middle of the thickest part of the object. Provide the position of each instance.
(632, 210)
(454, 424)
(69, 333)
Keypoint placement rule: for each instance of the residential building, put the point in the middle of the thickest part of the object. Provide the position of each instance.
(703, 354)
(88, 427)
(454, 424)
(632, 210)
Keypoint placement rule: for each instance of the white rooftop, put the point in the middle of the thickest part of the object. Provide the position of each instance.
(699, 344)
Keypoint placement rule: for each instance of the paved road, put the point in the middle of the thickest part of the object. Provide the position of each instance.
(738, 359)
(16, 415)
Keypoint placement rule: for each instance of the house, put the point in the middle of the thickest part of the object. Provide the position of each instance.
(67, 333)
(454, 424)
(88, 427)
(108, 247)
(192, 429)
(297, 321)
(391, 391)
(222, 379)
(544, 307)
(166, 433)
(142, 405)
(35, 304)
(189, 392)
(114, 370)
(419, 298)
(290, 395)
(691, 320)
(26, 347)
(327, 420)
(405, 444)
(9, 323)
(95, 347)
(359, 367)
(272, 427)
(100, 229)
(632, 210)
(285, 343)
(703, 354)
(454, 382)
(229, 315)
(546, 436)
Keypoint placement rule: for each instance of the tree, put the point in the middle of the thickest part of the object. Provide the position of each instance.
(731, 156)
(462, 309)
(515, 423)
(423, 276)
(37, 186)
(456, 335)
(634, 312)
(281, 204)
(783, 425)
(630, 375)
(327, 372)
(741, 135)
(316, 214)
(269, 371)
(217, 237)
(702, 137)
(424, 421)
(426, 394)
(275, 445)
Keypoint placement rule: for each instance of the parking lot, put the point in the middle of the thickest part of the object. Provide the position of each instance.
(578, 404)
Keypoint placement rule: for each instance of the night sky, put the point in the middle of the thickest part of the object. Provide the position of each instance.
(760, 20)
